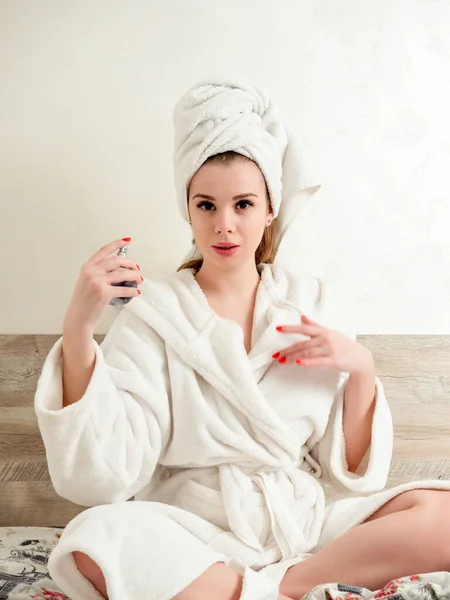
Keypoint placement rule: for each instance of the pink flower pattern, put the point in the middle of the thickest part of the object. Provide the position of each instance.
(50, 594)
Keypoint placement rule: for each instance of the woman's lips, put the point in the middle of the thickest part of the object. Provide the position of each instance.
(225, 250)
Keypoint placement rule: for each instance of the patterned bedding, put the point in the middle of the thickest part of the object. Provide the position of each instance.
(24, 553)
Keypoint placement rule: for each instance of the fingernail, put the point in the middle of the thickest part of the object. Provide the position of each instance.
(282, 359)
(138, 267)
(142, 279)
(126, 239)
(299, 362)
(276, 355)
(279, 328)
(139, 292)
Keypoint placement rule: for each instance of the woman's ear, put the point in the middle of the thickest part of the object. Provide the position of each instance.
(187, 202)
(270, 215)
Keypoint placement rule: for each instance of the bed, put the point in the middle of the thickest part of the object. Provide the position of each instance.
(416, 374)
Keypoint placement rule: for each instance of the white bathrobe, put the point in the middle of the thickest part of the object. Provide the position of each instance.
(235, 457)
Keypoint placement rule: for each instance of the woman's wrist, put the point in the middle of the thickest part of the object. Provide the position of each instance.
(365, 367)
(75, 331)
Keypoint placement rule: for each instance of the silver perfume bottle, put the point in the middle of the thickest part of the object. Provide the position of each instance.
(121, 301)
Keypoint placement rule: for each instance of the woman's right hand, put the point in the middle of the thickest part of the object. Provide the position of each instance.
(93, 289)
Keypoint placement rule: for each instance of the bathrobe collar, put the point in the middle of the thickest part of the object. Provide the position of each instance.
(177, 309)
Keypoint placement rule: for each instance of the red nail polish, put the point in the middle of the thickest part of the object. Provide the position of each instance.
(139, 292)
(299, 362)
(126, 239)
(138, 267)
(276, 355)
(282, 359)
(142, 279)
(279, 328)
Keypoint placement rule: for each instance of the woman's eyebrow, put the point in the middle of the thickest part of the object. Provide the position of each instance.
(211, 198)
(204, 196)
(244, 196)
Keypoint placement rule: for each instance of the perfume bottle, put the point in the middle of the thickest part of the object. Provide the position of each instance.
(121, 301)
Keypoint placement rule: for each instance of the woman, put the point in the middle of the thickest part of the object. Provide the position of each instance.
(226, 401)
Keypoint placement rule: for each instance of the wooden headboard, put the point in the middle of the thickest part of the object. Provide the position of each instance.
(415, 371)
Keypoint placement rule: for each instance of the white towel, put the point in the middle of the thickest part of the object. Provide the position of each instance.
(223, 114)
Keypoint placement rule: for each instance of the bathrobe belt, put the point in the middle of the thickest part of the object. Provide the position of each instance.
(295, 518)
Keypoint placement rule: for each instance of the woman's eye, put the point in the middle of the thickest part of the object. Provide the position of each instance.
(208, 206)
(205, 205)
(243, 204)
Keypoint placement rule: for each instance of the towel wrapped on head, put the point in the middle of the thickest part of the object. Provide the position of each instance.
(233, 114)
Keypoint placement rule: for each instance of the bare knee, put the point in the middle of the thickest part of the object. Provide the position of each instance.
(438, 512)
(435, 508)
(432, 509)
(426, 500)
(91, 571)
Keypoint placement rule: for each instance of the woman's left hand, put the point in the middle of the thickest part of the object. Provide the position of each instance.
(325, 349)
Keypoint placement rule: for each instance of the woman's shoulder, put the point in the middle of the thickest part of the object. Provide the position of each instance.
(174, 305)
(293, 286)
(162, 299)
(167, 285)
(321, 299)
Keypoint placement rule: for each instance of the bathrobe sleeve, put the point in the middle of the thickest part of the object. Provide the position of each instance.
(330, 450)
(105, 447)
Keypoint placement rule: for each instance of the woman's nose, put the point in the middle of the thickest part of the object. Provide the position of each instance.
(225, 229)
(225, 224)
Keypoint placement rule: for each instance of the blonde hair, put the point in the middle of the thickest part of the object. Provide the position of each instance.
(265, 252)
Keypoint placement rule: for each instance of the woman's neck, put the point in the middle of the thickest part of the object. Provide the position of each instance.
(241, 281)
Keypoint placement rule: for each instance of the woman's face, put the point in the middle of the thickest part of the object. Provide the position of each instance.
(229, 210)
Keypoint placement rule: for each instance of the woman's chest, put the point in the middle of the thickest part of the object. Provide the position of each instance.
(239, 311)
(211, 425)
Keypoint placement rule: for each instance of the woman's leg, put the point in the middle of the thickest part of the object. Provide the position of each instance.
(409, 534)
(91, 571)
(219, 582)
(147, 550)
(130, 550)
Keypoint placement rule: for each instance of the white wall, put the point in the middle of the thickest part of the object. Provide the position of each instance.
(87, 89)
